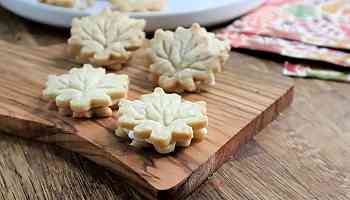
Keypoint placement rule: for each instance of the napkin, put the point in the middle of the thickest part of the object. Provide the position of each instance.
(318, 22)
(306, 29)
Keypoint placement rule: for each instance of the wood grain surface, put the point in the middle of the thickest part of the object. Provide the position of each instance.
(302, 155)
(239, 106)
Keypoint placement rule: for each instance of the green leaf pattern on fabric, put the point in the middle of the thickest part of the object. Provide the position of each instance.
(302, 10)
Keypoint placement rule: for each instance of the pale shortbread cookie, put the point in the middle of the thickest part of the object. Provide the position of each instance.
(139, 5)
(183, 59)
(81, 4)
(86, 92)
(107, 39)
(162, 120)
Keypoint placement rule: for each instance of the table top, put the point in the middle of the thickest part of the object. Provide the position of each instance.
(304, 154)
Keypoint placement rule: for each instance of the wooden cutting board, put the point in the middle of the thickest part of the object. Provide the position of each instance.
(239, 106)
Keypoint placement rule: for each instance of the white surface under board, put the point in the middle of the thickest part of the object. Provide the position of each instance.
(177, 13)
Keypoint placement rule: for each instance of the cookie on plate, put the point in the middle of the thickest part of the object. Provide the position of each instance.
(86, 92)
(107, 39)
(139, 5)
(186, 58)
(81, 4)
(162, 120)
(62, 3)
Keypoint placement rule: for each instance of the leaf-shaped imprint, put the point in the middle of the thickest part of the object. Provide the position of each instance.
(162, 120)
(86, 91)
(183, 59)
(138, 5)
(107, 39)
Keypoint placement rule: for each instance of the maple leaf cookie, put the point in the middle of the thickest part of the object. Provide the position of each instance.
(139, 5)
(162, 120)
(86, 92)
(183, 59)
(107, 39)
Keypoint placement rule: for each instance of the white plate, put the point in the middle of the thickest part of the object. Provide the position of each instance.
(177, 13)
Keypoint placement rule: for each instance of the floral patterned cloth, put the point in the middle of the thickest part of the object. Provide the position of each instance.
(288, 48)
(306, 29)
(302, 71)
(318, 22)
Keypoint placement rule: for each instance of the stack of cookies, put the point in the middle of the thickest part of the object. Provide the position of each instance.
(181, 61)
(107, 39)
(86, 92)
(162, 120)
(185, 59)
